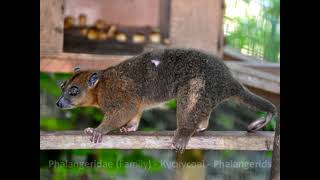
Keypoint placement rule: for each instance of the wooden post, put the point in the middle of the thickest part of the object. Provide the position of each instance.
(51, 26)
(164, 20)
(275, 169)
(197, 24)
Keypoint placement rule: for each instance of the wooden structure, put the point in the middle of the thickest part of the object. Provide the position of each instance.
(217, 140)
(189, 23)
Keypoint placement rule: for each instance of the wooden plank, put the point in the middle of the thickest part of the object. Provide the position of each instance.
(214, 140)
(255, 79)
(197, 24)
(66, 62)
(272, 97)
(235, 54)
(272, 68)
(51, 26)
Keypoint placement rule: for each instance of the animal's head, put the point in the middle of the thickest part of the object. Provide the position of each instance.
(79, 90)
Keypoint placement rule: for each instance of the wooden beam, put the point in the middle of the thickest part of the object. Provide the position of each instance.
(164, 17)
(197, 24)
(255, 78)
(51, 26)
(235, 54)
(215, 140)
(271, 68)
(66, 62)
(272, 97)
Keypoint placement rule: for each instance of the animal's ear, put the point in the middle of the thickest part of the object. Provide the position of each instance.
(93, 80)
(63, 84)
(76, 70)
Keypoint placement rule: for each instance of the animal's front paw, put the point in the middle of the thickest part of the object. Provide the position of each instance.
(179, 144)
(96, 135)
(180, 140)
(129, 128)
(88, 131)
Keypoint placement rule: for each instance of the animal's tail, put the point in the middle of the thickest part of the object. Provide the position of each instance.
(257, 103)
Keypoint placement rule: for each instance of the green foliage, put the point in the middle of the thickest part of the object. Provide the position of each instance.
(143, 161)
(81, 152)
(147, 129)
(50, 82)
(257, 34)
(226, 154)
(112, 158)
(269, 153)
(60, 172)
(89, 112)
(55, 124)
(109, 162)
(226, 121)
(172, 104)
(271, 126)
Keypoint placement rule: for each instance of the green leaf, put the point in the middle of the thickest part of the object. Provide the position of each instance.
(139, 159)
(148, 129)
(60, 172)
(81, 152)
(226, 154)
(54, 124)
(226, 121)
(49, 82)
(111, 159)
(172, 104)
(269, 153)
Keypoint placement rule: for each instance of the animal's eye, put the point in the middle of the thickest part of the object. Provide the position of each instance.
(73, 91)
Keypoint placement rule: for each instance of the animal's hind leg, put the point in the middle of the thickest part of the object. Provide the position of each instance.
(193, 108)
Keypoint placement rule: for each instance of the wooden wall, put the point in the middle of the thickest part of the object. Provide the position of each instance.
(197, 24)
(51, 26)
(122, 12)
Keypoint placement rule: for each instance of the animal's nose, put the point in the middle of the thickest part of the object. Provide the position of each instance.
(58, 104)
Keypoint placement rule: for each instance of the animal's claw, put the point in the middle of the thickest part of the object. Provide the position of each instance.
(96, 136)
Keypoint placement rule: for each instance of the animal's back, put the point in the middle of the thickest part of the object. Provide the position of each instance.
(159, 74)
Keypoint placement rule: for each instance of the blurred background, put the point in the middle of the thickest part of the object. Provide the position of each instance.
(250, 27)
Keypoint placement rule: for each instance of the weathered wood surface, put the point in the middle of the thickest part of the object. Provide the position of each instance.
(230, 53)
(51, 26)
(273, 97)
(197, 24)
(164, 17)
(121, 12)
(275, 170)
(66, 62)
(271, 68)
(215, 140)
(255, 78)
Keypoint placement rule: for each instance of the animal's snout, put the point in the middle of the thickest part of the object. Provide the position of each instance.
(63, 103)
